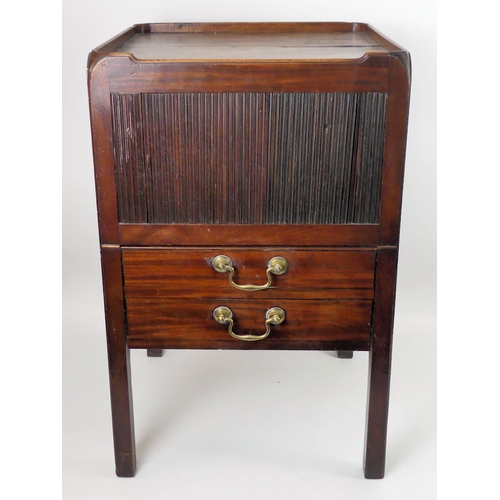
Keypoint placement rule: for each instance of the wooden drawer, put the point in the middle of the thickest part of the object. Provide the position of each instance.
(188, 273)
(179, 323)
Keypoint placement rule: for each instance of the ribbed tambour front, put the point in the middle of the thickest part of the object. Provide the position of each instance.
(249, 158)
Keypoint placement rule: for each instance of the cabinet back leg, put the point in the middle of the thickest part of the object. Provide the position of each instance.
(155, 353)
(119, 363)
(380, 364)
(345, 354)
(122, 414)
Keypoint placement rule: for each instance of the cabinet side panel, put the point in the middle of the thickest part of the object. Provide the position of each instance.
(395, 148)
(102, 146)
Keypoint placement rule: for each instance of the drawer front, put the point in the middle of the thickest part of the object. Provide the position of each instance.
(181, 323)
(188, 273)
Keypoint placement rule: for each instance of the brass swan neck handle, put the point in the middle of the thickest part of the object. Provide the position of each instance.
(276, 266)
(224, 315)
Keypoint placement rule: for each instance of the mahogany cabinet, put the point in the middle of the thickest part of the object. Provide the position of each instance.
(249, 182)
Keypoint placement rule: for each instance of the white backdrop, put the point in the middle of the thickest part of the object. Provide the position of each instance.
(86, 402)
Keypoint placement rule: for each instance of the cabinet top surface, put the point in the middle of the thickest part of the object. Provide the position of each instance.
(249, 42)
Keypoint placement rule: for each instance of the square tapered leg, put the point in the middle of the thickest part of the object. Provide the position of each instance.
(119, 363)
(380, 364)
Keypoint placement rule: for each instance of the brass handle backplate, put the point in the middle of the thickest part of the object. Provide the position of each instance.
(276, 266)
(274, 316)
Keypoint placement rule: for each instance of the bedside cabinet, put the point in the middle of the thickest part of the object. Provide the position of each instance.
(249, 182)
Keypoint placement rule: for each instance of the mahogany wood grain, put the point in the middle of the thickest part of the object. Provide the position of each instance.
(377, 37)
(231, 344)
(102, 141)
(250, 234)
(380, 364)
(395, 149)
(306, 320)
(188, 273)
(255, 27)
(111, 45)
(315, 29)
(367, 74)
(226, 41)
(226, 46)
(119, 363)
